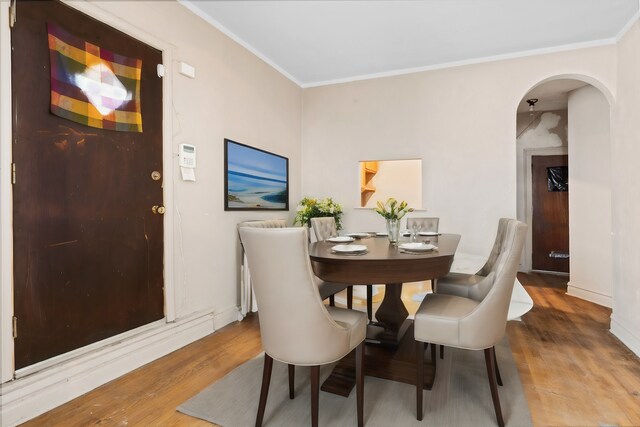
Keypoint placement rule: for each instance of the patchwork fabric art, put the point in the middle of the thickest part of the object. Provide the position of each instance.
(93, 86)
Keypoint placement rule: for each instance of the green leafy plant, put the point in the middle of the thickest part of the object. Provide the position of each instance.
(312, 208)
(392, 209)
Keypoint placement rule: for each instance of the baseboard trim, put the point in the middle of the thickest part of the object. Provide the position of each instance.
(625, 335)
(591, 296)
(25, 398)
(226, 316)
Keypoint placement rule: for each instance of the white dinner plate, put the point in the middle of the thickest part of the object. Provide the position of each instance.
(349, 249)
(358, 235)
(429, 233)
(340, 239)
(417, 247)
(382, 233)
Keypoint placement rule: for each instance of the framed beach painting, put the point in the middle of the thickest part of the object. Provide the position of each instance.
(254, 179)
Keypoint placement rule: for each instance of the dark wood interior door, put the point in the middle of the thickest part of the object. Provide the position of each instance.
(88, 250)
(550, 221)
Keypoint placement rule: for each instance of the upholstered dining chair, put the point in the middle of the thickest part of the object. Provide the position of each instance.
(247, 300)
(472, 285)
(326, 289)
(295, 326)
(472, 324)
(325, 227)
(424, 223)
(469, 285)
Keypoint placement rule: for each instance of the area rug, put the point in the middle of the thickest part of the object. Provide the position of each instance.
(460, 397)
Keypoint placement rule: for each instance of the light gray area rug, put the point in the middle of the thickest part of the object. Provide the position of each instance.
(460, 397)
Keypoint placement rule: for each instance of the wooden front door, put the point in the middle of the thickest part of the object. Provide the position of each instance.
(550, 219)
(88, 250)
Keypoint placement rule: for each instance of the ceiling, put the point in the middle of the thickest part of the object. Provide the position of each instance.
(321, 42)
(552, 95)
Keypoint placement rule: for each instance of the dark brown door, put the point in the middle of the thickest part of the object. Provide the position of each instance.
(88, 251)
(550, 222)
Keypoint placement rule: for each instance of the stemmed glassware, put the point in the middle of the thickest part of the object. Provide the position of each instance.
(415, 229)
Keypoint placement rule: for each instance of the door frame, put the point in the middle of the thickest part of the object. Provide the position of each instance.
(528, 199)
(7, 370)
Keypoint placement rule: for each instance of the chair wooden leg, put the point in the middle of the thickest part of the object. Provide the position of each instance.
(292, 376)
(332, 301)
(491, 373)
(315, 394)
(360, 383)
(264, 391)
(419, 377)
(441, 352)
(350, 297)
(495, 359)
(433, 355)
(370, 302)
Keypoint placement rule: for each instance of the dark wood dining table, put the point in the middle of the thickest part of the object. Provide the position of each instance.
(390, 349)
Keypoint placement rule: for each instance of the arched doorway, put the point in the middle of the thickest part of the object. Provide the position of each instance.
(570, 119)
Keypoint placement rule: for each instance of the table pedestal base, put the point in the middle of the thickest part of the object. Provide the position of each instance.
(395, 364)
(381, 335)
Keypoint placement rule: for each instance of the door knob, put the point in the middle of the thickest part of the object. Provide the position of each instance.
(158, 209)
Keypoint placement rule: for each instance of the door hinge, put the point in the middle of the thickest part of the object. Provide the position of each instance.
(15, 327)
(13, 173)
(12, 13)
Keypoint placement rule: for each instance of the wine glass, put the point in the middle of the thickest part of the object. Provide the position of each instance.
(415, 229)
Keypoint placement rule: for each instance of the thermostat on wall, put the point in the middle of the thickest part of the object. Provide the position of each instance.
(187, 156)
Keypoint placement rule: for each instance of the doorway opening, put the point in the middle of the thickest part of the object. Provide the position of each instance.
(564, 183)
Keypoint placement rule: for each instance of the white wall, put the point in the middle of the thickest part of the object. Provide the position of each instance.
(234, 95)
(625, 180)
(590, 248)
(459, 121)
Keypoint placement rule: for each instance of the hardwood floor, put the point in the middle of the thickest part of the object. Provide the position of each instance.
(574, 372)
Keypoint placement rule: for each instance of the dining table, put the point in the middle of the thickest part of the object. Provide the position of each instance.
(390, 349)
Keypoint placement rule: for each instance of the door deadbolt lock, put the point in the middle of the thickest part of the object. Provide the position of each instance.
(158, 209)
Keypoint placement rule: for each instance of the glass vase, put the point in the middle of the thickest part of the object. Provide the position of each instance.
(393, 230)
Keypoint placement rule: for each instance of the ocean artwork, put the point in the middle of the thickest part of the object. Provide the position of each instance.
(255, 179)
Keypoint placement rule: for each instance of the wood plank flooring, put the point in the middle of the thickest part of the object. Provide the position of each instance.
(574, 372)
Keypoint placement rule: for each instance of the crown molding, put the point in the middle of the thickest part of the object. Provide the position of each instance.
(224, 30)
(629, 24)
(481, 60)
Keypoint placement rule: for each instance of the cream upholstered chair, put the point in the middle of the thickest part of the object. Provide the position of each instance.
(326, 289)
(473, 285)
(467, 323)
(247, 300)
(425, 223)
(325, 227)
(296, 327)
(265, 223)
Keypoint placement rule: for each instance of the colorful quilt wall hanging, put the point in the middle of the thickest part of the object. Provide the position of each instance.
(93, 86)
